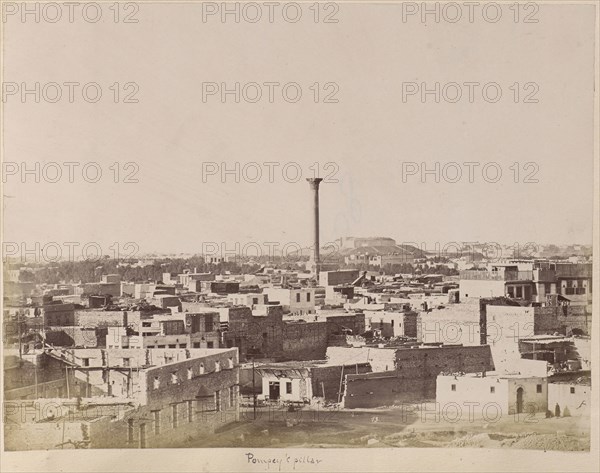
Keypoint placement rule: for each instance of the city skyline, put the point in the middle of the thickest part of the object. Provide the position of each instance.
(179, 130)
(300, 236)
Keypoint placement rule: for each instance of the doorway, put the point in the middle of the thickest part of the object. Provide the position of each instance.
(519, 400)
(274, 390)
(142, 435)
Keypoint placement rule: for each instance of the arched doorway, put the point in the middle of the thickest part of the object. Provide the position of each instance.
(519, 400)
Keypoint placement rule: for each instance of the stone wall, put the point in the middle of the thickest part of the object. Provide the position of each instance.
(414, 377)
(326, 379)
(304, 341)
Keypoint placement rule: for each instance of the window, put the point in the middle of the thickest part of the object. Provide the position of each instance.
(190, 373)
(453, 387)
(174, 419)
(86, 362)
(538, 388)
(298, 297)
(572, 390)
(308, 297)
(255, 300)
(183, 345)
(126, 362)
(161, 346)
(130, 430)
(190, 411)
(519, 292)
(217, 401)
(210, 344)
(492, 389)
(172, 345)
(156, 422)
(232, 396)
(288, 387)
(174, 377)
(156, 382)
(196, 344)
(142, 435)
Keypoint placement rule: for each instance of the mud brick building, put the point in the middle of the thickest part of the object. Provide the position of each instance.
(268, 336)
(414, 377)
(169, 396)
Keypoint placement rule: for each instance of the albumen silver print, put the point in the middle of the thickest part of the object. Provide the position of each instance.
(303, 236)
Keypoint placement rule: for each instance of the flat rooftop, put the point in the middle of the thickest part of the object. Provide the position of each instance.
(489, 374)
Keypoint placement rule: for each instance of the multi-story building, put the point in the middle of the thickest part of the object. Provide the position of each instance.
(535, 283)
(297, 301)
(392, 323)
(186, 279)
(130, 398)
(249, 300)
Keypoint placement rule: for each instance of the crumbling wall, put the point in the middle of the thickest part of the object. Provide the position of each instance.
(88, 337)
(355, 322)
(575, 317)
(304, 341)
(101, 318)
(385, 389)
(427, 362)
(411, 321)
(545, 320)
(159, 387)
(255, 336)
(414, 378)
(454, 323)
(24, 373)
(155, 428)
(326, 379)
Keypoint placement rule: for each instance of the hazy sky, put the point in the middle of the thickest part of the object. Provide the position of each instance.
(369, 133)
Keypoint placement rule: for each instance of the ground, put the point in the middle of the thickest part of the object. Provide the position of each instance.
(396, 427)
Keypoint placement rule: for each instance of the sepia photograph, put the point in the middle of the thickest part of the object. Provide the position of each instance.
(301, 236)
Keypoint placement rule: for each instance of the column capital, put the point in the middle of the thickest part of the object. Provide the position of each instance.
(314, 182)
